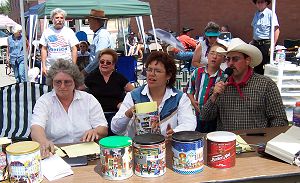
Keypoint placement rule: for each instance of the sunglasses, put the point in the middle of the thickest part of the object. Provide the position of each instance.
(233, 59)
(58, 83)
(105, 62)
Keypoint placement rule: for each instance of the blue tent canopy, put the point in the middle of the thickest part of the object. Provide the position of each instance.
(33, 10)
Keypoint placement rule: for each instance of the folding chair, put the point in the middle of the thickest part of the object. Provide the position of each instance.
(16, 104)
(127, 66)
(154, 46)
(182, 79)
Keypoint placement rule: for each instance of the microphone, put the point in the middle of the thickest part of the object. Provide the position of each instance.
(227, 73)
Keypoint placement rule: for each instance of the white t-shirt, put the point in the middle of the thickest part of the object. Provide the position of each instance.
(84, 113)
(58, 43)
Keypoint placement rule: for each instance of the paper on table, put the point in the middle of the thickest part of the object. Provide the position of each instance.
(243, 144)
(54, 167)
(59, 152)
(145, 107)
(5, 140)
(81, 149)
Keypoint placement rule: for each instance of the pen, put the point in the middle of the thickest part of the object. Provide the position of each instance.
(254, 134)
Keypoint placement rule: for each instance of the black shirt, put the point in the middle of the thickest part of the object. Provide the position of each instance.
(109, 94)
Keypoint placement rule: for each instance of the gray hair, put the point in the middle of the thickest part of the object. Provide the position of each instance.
(56, 11)
(66, 67)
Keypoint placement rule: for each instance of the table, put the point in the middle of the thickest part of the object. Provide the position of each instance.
(250, 167)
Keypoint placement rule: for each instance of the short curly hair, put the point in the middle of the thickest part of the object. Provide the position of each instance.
(167, 61)
(66, 67)
(111, 52)
(212, 27)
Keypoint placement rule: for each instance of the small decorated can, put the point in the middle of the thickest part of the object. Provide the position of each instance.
(4, 142)
(24, 162)
(149, 155)
(116, 157)
(221, 149)
(187, 148)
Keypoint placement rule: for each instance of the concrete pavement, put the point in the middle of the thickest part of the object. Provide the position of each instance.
(6, 79)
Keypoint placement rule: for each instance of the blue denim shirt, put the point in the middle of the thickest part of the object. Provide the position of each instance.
(101, 41)
(15, 49)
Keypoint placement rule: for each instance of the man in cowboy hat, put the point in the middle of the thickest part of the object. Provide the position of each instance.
(189, 44)
(100, 41)
(247, 100)
(58, 41)
(262, 23)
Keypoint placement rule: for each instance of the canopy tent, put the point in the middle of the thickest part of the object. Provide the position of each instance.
(112, 8)
(33, 10)
(6, 22)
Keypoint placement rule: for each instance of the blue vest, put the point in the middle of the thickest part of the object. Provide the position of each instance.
(15, 49)
(171, 104)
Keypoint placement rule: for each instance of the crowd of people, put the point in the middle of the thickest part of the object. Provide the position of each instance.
(91, 101)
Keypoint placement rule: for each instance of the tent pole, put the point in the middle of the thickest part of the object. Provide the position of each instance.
(124, 39)
(272, 31)
(155, 38)
(24, 38)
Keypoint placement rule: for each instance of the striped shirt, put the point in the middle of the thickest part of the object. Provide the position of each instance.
(260, 107)
(201, 83)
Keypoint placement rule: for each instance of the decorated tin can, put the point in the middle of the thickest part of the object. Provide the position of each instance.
(149, 155)
(24, 162)
(4, 142)
(221, 149)
(187, 148)
(116, 157)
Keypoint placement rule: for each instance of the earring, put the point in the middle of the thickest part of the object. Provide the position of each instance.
(168, 81)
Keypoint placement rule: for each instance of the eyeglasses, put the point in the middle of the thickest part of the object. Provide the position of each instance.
(233, 59)
(213, 53)
(58, 83)
(155, 71)
(105, 62)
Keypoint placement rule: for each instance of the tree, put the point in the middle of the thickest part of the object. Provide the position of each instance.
(5, 7)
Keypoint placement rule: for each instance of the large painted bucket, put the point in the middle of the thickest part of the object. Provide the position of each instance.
(116, 157)
(149, 155)
(221, 149)
(187, 148)
(24, 162)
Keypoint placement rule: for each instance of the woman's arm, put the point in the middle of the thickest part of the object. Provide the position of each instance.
(197, 56)
(38, 134)
(121, 120)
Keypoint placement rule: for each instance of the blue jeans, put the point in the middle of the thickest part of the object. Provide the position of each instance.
(186, 56)
(19, 71)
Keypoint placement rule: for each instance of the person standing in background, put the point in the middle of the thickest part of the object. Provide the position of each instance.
(101, 39)
(58, 41)
(15, 54)
(262, 23)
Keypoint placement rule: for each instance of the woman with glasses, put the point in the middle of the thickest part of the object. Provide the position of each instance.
(66, 115)
(174, 107)
(107, 85)
(211, 33)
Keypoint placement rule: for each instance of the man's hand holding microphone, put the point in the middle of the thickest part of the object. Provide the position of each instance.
(221, 85)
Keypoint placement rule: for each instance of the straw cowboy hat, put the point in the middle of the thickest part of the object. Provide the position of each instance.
(97, 14)
(236, 44)
(267, 1)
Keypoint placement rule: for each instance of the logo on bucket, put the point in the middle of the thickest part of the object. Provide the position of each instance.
(221, 154)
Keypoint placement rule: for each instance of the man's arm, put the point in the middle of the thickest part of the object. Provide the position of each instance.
(43, 58)
(276, 34)
(74, 54)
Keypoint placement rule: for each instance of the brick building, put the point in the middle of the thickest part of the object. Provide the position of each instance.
(237, 14)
